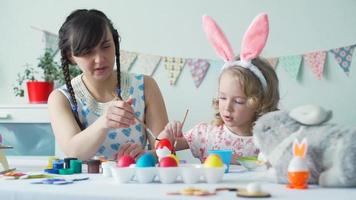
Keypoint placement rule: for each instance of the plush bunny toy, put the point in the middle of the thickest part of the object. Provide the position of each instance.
(331, 154)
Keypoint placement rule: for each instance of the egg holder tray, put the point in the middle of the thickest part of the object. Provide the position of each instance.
(188, 173)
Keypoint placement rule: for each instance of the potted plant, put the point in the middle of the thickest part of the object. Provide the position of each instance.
(39, 89)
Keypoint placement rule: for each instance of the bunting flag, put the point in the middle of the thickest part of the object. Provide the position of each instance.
(273, 62)
(316, 61)
(51, 42)
(343, 57)
(127, 59)
(291, 64)
(147, 63)
(198, 69)
(174, 66)
(50, 39)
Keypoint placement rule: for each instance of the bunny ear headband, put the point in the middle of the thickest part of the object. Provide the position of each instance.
(253, 43)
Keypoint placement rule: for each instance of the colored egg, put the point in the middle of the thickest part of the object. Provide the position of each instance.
(168, 162)
(175, 158)
(213, 160)
(163, 152)
(125, 161)
(164, 143)
(146, 160)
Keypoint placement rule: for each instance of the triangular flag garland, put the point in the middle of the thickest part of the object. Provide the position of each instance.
(316, 61)
(127, 59)
(291, 64)
(147, 63)
(198, 68)
(273, 62)
(174, 67)
(343, 57)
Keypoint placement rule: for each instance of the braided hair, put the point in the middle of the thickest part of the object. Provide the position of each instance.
(81, 32)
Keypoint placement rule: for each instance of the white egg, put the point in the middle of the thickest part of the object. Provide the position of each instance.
(253, 188)
(297, 164)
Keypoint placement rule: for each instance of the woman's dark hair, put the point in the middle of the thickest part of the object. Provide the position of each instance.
(80, 33)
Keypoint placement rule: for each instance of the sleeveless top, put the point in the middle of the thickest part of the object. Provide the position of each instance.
(89, 110)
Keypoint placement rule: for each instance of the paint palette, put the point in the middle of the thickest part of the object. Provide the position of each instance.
(187, 173)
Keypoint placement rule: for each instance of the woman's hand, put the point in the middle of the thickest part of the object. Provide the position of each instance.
(119, 114)
(132, 149)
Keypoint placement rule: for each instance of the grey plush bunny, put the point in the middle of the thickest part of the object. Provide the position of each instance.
(331, 155)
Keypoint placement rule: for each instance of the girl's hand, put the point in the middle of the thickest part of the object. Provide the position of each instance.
(173, 131)
(119, 114)
(234, 159)
(132, 149)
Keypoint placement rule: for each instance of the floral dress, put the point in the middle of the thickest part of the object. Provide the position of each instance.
(204, 137)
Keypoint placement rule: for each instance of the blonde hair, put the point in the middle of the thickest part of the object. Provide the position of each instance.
(258, 99)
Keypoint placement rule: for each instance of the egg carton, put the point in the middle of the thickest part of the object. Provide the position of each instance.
(188, 173)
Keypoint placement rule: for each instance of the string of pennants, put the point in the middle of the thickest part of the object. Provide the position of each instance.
(199, 67)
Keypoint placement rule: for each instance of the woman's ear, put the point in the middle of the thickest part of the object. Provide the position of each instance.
(71, 59)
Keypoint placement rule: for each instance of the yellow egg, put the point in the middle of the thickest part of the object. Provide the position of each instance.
(175, 158)
(213, 160)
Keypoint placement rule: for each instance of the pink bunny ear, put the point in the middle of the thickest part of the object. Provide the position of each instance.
(255, 38)
(217, 38)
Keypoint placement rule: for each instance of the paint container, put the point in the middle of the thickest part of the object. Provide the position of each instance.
(93, 166)
(67, 162)
(66, 171)
(76, 165)
(50, 162)
(58, 164)
(106, 166)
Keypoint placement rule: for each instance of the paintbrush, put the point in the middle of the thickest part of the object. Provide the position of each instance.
(185, 117)
(117, 97)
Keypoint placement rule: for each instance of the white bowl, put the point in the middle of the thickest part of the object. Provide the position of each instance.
(191, 173)
(250, 164)
(214, 174)
(168, 174)
(145, 174)
(122, 174)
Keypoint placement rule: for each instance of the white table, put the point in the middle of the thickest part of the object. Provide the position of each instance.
(100, 187)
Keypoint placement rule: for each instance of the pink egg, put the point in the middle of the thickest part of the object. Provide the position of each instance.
(168, 162)
(125, 161)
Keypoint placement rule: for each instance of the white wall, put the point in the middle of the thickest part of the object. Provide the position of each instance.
(173, 28)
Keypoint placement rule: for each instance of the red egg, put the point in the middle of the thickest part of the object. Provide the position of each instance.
(125, 161)
(168, 162)
(165, 143)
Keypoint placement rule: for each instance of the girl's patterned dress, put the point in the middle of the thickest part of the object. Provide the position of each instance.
(204, 137)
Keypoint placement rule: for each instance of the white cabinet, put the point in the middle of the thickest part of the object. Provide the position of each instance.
(27, 129)
(27, 113)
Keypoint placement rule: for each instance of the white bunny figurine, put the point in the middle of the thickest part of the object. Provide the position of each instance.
(298, 172)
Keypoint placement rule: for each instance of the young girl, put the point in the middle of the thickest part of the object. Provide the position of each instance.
(86, 117)
(248, 88)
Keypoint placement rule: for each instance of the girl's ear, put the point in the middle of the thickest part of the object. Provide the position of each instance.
(217, 39)
(255, 38)
(300, 149)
